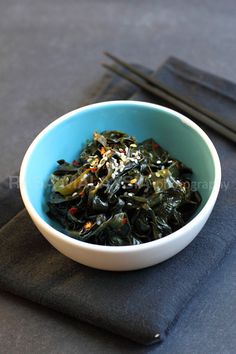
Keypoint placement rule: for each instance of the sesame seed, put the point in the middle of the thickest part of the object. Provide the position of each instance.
(133, 181)
(130, 194)
(123, 157)
(74, 194)
(88, 225)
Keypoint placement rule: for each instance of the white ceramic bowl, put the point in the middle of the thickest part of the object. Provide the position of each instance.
(64, 138)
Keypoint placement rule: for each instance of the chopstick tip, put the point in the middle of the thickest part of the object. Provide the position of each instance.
(108, 54)
(105, 65)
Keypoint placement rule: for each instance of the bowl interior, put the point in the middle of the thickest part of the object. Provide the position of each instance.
(65, 137)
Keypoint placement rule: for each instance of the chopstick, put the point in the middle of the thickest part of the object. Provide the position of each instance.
(188, 106)
(166, 89)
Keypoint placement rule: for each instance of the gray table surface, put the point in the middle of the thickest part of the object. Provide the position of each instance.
(50, 53)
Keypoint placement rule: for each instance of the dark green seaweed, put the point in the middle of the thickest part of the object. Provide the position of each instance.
(121, 193)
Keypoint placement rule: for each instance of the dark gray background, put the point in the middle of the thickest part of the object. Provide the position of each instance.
(50, 54)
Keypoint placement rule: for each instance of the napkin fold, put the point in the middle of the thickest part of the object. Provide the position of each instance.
(141, 305)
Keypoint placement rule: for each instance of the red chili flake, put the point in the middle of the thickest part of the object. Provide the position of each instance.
(73, 210)
(155, 146)
(124, 221)
(93, 169)
(178, 165)
(102, 150)
(75, 163)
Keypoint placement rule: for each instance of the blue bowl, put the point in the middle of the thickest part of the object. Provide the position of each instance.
(64, 138)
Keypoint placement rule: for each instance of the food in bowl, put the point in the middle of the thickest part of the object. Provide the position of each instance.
(65, 138)
(120, 192)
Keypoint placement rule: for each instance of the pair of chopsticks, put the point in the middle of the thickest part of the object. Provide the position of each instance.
(180, 102)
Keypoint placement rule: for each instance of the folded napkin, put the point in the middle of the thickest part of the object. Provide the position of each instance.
(141, 305)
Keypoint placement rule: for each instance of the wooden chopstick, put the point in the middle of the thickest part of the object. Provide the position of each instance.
(174, 99)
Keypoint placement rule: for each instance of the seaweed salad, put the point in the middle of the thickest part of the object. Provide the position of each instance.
(120, 192)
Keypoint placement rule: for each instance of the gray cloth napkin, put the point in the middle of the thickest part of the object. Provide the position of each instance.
(141, 305)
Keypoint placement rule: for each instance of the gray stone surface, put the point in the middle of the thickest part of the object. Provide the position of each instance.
(50, 54)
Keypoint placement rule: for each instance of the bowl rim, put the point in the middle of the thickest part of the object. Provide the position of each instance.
(129, 248)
